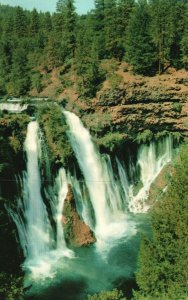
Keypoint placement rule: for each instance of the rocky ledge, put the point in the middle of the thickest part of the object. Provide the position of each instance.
(141, 103)
(77, 233)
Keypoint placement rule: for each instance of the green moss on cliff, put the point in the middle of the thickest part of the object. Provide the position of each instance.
(52, 123)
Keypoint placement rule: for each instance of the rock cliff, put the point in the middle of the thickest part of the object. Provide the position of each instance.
(77, 233)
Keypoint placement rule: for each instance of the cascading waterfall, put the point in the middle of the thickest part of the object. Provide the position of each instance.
(63, 190)
(90, 165)
(35, 210)
(31, 218)
(103, 190)
(62, 187)
(112, 197)
(13, 107)
(151, 160)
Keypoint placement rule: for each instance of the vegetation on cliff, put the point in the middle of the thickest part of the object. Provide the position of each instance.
(53, 125)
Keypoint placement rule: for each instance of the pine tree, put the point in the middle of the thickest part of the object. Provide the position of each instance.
(163, 30)
(184, 40)
(20, 23)
(110, 28)
(98, 27)
(19, 83)
(124, 11)
(140, 51)
(34, 22)
(66, 10)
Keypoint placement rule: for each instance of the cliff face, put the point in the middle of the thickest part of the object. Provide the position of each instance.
(77, 233)
(139, 103)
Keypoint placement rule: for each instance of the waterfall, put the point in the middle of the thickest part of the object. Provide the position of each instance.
(13, 107)
(151, 160)
(62, 187)
(37, 223)
(63, 190)
(90, 165)
(31, 218)
(113, 196)
(104, 192)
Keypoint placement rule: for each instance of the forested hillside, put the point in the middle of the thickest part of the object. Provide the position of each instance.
(150, 35)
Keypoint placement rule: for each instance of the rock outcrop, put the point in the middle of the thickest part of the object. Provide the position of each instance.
(141, 103)
(77, 233)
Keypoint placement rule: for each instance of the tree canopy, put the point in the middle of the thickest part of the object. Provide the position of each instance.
(150, 35)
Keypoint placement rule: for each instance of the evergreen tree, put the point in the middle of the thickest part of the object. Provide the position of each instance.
(98, 27)
(66, 9)
(19, 83)
(110, 28)
(34, 23)
(140, 51)
(20, 23)
(184, 40)
(163, 30)
(124, 11)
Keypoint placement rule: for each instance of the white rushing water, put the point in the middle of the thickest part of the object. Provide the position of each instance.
(13, 107)
(31, 218)
(151, 159)
(62, 187)
(104, 193)
(90, 165)
(38, 238)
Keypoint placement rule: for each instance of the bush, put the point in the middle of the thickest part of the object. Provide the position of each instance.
(111, 140)
(108, 295)
(144, 137)
(177, 107)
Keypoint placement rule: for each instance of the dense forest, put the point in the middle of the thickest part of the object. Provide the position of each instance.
(150, 35)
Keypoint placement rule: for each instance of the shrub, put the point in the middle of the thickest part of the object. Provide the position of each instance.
(145, 136)
(177, 107)
(108, 295)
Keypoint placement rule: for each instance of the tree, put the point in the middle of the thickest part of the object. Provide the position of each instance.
(163, 30)
(184, 40)
(20, 22)
(34, 22)
(163, 260)
(98, 27)
(110, 29)
(66, 10)
(140, 51)
(124, 11)
(19, 82)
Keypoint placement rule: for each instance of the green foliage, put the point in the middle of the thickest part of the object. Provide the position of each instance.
(177, 136)
(11, 287)
(114, 80)
(37, 82)
(108, 295)
(52, 122)
(140, 48)
(97, 122)
(145, 136)
(177, 107)
(111, 140)
(163, 260)
(146, 33)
